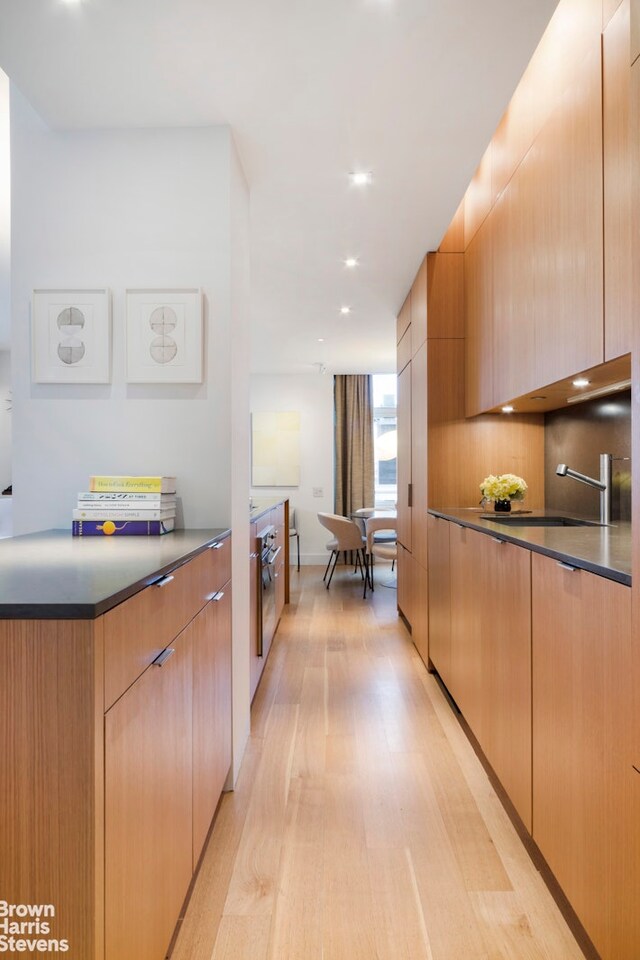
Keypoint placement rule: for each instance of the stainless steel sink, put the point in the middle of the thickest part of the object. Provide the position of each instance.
(522, 520)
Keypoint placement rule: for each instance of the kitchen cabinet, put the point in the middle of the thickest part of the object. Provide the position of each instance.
(419, 440)
(404, 458)
(635, 30)
(269, 591)
(616, 90)
(403, 321)
(478, 282)
(116, 736)
(418, 300)
(211, 650)
(439, 597)
(586, 816)
(490, 653)
(148, 816)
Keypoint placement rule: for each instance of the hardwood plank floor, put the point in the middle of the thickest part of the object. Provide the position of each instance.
(363, 826)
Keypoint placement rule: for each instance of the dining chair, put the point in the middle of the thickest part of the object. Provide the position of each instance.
(384, 549)
(293, 532)
(346, 537)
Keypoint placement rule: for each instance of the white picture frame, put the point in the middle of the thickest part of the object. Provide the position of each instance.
(164, 336)
(71, 336)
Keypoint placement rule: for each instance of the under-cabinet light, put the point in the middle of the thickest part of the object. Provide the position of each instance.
(599, 391)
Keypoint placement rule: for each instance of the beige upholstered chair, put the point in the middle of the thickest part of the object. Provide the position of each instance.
(385, 549)
(346, 537)
(293, 532)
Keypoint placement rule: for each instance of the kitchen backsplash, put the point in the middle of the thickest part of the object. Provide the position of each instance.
(576, 436)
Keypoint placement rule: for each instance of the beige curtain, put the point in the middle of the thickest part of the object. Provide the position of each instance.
(355, 486)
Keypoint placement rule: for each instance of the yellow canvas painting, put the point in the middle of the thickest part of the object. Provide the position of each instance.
(276, 449)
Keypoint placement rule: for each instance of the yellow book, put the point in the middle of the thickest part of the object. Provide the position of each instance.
(132, 484)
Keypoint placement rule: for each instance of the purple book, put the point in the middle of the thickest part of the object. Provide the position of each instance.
(121, 528)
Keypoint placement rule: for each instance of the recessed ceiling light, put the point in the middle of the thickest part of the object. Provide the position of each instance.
(581, 382)
(351, 262)
(360, 178)
(320, 339)
(345, 309)
(508, 409)
(538, 397)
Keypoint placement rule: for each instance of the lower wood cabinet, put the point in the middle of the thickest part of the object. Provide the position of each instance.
(439, 597)
(211, 645)
(586, 794)
(490, 659)
(148, 807)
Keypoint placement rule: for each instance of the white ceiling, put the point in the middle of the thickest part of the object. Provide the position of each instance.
(409, 89)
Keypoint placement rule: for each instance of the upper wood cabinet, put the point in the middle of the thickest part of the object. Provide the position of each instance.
(586, 796)
(404, 318)
(568, 244)
(419, 441)
(617, 184)
(404, 458)
(635, 30)
(445, 295)
(478, 284)
(419, 308)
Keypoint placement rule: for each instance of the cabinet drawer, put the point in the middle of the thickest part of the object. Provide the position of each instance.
(216, 564)
(136, 631)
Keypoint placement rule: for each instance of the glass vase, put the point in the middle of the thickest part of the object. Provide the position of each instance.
(502, 506)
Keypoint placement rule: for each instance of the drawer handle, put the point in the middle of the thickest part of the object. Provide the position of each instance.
(164, 656)
(498, 540)
(163, 581)
(568, 566)
(218, 596)
(637, 770)
(216, 546)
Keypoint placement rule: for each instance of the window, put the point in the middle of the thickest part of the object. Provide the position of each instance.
(385, 437)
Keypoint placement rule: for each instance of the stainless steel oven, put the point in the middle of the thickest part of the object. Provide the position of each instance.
(268, 553)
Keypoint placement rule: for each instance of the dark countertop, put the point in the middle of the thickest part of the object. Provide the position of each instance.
(54, 576)
(605, 551)
(260, 505)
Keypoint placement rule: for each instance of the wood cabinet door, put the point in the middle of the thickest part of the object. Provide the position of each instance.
(420, 609)
(505, 617)
(404, 457)
(403, 321)
(568, 230)
(419, 308)
(419, 456)
(478, 293)
(635, 30)
(466, 628)
(439, 597)
(616, 90)
(211, 644)
(148, 819)
(585, 791)
(404, 565)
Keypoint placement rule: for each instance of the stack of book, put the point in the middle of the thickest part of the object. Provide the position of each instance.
(126, 506)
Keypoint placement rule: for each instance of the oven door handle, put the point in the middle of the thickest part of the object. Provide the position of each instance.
(272, 559)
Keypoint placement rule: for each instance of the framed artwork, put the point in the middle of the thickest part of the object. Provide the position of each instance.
(164, 336)
(275, 449)
(70, 336)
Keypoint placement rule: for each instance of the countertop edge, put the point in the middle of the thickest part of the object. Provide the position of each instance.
(609, 573)
(91, 611)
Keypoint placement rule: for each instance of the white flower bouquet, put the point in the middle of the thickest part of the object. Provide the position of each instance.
(505, 487)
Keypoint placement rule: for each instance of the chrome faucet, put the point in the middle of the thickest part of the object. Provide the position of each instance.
(603, 484)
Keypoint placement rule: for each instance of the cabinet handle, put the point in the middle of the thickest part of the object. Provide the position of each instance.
(164, 656)
(637, 770)
(567, 566)
(409, 494)
(163, 581)
(216, 546)
(218, 596)
(498, 540)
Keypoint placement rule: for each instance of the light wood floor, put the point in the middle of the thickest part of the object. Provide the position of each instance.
(363, 826)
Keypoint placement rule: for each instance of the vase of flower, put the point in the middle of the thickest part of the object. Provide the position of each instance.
(502, 490)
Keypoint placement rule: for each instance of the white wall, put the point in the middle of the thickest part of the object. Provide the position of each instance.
(312, 396)
(5, 210)
(5, 419)
(142, 209)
